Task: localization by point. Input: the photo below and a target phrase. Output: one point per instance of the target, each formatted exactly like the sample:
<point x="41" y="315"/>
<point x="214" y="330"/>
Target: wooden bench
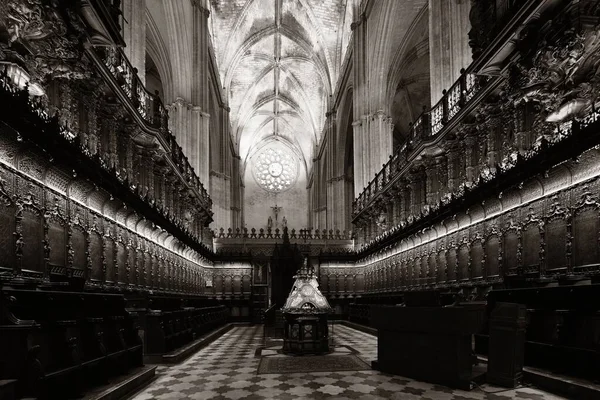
<point x="563" y="327"/>
<point x="58" y="344"/>
<point x="168" y="330"/>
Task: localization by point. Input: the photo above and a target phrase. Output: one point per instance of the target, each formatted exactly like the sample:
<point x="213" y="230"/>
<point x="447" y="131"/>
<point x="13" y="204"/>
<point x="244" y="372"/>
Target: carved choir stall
<point x="305" y="316"/>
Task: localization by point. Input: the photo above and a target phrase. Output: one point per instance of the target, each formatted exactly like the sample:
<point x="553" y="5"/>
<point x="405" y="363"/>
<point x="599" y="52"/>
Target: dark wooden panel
<point x="7" y="239"/>
<point x="121" y="263"/>
<point x="79" y="248"/>
<point x="441" y="263"/>
<point x="58" y="244"/>
<point x="556" y="244"/>
<point x="96" y="256"/>
<point x="585" y="237"/>
<point x="476" y="260"/>
<point x="492" y="247"/>
<point x="452" y="260"/>
<point x="32" y="230"/>
<point x="463" y="262"/>
<point x="531" y="246"/>
<point x="511" y="248"/>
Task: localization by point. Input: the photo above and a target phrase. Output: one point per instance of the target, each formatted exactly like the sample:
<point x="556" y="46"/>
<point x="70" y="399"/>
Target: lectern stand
<point x="431" y="344"/>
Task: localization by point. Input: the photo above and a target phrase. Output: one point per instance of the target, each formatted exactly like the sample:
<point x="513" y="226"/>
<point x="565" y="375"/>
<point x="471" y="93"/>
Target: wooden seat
<point x="61" y="343"/>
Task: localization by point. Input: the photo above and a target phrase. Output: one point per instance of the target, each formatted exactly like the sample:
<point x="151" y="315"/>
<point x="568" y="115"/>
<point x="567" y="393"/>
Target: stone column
<point x="236" y="194"/>
<point x="200" y="113"/>
<point x="333" y="183"/>
<point x="360" y="158"/>
<point x="449" y="49"/>
<point x="134" y="34"/>
<point x="362" y="176"/>
<point x="380" y="141"/>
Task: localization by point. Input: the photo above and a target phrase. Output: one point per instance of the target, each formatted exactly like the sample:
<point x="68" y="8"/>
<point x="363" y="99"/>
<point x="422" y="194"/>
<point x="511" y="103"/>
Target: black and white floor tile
<point x="227" y="370"/>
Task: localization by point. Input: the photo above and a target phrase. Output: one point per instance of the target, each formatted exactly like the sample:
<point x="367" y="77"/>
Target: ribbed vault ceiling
<point x="279" y="60"/>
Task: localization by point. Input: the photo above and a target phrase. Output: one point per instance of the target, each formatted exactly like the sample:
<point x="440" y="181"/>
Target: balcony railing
<point x="51" y="134"/>
<point x="428" y="125"/>
<point x="152" y="111"/>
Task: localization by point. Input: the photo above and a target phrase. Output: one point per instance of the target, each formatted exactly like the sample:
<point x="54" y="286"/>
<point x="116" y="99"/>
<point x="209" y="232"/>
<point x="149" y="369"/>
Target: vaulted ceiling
<point x="279" y="61"/>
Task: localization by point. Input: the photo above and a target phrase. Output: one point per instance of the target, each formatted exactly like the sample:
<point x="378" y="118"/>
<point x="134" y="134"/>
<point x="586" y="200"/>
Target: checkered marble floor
<point x="226" y="369"/>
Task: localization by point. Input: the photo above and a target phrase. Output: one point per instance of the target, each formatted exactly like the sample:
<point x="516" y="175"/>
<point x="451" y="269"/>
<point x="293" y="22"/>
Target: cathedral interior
<point x="299" y="199"/>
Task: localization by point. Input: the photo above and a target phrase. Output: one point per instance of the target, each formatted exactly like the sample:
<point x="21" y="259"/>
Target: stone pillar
<point x="200" y="92"/>
<point x="134" y="34"/>
<point x="449" y="49"/>
<point x="360" y="94"/>
<point x="380" y="141"/>
<point x="333" y="183"/>
<point x="236" y="193"/>
<point x="361" y="157"/>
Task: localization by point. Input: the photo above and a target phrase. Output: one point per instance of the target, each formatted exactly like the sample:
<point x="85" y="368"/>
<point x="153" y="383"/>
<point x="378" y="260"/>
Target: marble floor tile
<point x="226" y="370"/>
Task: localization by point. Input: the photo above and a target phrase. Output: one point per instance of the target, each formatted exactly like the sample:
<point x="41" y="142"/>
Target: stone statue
<point x="284" y="222"/>
<point x="270" y="222"/>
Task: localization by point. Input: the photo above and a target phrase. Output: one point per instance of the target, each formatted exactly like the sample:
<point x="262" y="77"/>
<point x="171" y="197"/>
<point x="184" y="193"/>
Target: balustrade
<point x="269" y="233"/>
<point x="150" y="107"/>
<point x="427" y="125"/>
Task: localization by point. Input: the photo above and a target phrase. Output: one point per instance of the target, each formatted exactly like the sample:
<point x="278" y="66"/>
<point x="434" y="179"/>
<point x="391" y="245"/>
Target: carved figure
<point x="284" y="222"/>
<point x="270" y="222"/>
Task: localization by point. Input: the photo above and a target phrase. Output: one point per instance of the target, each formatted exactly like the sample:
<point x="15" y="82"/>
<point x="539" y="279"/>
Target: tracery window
<point x="275" y="170"/>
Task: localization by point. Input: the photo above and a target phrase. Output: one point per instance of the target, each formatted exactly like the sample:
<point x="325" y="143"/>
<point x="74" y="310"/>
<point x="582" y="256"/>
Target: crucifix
<point x="276" y="210"/>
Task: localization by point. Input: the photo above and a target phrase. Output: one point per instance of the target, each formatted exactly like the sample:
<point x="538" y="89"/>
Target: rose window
<point x="275" y="170"/>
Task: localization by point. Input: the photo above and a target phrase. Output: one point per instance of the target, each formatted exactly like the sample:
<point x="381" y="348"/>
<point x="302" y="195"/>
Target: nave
<point x="227" y="369"/>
